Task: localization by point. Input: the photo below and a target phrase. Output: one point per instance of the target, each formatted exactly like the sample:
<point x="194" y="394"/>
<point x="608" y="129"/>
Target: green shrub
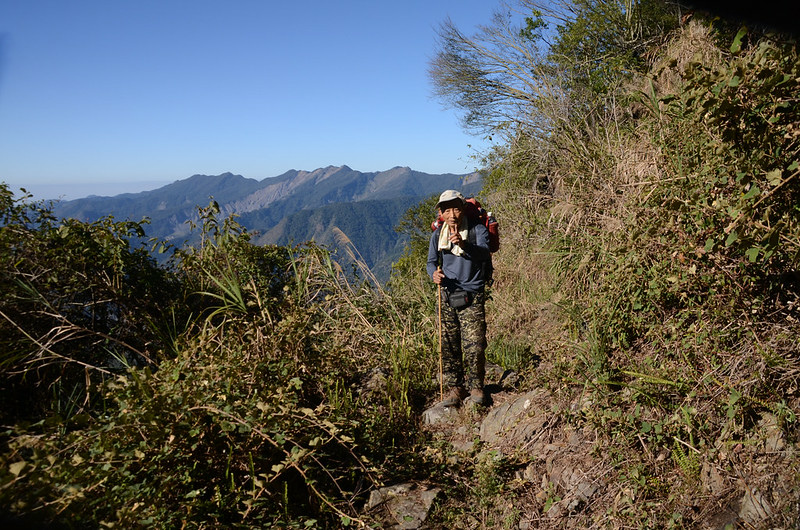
<point x="78" y="302"/>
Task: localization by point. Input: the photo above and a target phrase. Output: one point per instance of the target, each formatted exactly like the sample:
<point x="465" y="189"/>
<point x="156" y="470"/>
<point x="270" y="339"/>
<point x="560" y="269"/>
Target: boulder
<point x="402" y="506"/>
<point x="516" y="421"/>
<point x="439" y="414"/>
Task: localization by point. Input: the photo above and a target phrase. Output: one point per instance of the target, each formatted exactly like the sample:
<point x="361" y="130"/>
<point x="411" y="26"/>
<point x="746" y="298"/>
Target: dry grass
<point x="693" y="44"/>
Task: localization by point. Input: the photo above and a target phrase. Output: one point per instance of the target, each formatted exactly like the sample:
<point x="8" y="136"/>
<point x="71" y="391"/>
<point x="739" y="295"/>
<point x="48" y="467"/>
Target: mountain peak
<point x="221" y="176"/>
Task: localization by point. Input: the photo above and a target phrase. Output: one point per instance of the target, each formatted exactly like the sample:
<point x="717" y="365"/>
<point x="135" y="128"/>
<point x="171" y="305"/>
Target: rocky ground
<point x="561" y="476"/>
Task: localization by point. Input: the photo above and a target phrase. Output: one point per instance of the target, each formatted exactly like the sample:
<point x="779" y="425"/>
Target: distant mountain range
<point x="292" y="208"/>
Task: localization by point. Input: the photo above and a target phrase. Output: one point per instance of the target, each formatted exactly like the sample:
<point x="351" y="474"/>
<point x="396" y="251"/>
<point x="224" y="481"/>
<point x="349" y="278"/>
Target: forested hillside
<point x="645" y="176"/>
<point x="366" y="227"/>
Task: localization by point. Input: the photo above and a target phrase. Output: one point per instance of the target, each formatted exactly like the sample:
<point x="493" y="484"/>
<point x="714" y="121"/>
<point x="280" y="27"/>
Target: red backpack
<point x="476" y="213"/>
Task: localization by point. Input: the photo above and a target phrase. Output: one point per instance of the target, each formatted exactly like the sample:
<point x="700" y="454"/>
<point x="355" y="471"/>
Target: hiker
<point x="457" y="253"/>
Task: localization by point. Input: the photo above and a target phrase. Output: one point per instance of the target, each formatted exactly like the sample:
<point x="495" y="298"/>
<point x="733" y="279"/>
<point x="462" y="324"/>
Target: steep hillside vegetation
<point x="652" y="267"/>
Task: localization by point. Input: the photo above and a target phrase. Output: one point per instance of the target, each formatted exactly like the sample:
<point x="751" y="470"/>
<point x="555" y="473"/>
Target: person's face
<point x="451" y="212"/>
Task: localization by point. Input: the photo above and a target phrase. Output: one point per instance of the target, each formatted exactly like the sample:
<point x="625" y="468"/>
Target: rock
<point x="585" y="490"/>
<point x="755" y="508"/>
<point x="374" y="383"/>
<point x="404" y="506"/>
<point x="463" y="446"/>
<point x="531" y="474"/>
<point x="514" y="422"/>
<point x="773" y="435"/>
<point x="712" y="480"/>
<point x="438" y="414"/>
<point x="577" y="487"/>
<point x="557" y="510"/>
<point x="498" y="376"/>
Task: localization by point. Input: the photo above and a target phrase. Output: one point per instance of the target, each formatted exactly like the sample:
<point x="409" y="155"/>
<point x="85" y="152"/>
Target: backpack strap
<point x="487" y="267"/>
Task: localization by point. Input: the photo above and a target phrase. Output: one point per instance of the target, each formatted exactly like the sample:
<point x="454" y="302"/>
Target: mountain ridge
<point x="269" y="207"/>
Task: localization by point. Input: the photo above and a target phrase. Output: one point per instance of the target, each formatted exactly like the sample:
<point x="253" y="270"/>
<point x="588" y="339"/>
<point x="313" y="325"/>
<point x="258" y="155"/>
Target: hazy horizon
<point x="54" y="191"/>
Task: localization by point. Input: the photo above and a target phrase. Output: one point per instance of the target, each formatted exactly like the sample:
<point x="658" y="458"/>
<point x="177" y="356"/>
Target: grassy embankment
<point x="650" y="263"/>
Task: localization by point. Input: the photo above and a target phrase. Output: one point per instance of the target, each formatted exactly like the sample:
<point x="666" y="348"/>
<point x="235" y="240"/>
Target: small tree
<point x="533" y="66"/>
<point x="494" y="77"/>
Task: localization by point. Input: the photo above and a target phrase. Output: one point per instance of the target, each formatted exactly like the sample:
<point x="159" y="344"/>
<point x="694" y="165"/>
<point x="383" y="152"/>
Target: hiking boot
<point x="478" y="396"/>
<point x="454" y="397"/>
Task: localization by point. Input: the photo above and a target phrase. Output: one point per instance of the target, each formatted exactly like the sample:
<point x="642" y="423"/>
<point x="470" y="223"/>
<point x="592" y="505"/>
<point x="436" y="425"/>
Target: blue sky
<point x="111" y="96"/>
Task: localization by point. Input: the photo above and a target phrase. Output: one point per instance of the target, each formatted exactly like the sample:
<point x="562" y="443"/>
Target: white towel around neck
<point x="444" y="237"/>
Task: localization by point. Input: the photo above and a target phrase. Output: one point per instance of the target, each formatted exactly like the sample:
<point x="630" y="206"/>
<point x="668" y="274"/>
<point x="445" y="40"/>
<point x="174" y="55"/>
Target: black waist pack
<point x="459" y="299"/>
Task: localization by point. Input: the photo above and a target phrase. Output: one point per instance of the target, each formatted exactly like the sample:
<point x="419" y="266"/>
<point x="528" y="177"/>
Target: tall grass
<point x="258" y="414"/>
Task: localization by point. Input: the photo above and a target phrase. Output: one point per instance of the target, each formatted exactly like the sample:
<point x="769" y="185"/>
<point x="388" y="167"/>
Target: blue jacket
<point x="466" y="271"/>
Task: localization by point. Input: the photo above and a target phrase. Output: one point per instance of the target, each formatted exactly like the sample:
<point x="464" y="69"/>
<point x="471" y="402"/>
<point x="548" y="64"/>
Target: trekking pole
<point x="441" y="369"/>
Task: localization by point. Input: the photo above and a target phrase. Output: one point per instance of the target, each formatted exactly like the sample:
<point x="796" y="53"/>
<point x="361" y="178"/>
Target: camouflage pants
<point x="464" y="344"/>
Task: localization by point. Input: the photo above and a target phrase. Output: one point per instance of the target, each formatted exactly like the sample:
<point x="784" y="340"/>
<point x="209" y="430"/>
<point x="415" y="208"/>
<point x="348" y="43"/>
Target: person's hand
<point x="455" y="237"/>
<point x="438" y="276"/>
